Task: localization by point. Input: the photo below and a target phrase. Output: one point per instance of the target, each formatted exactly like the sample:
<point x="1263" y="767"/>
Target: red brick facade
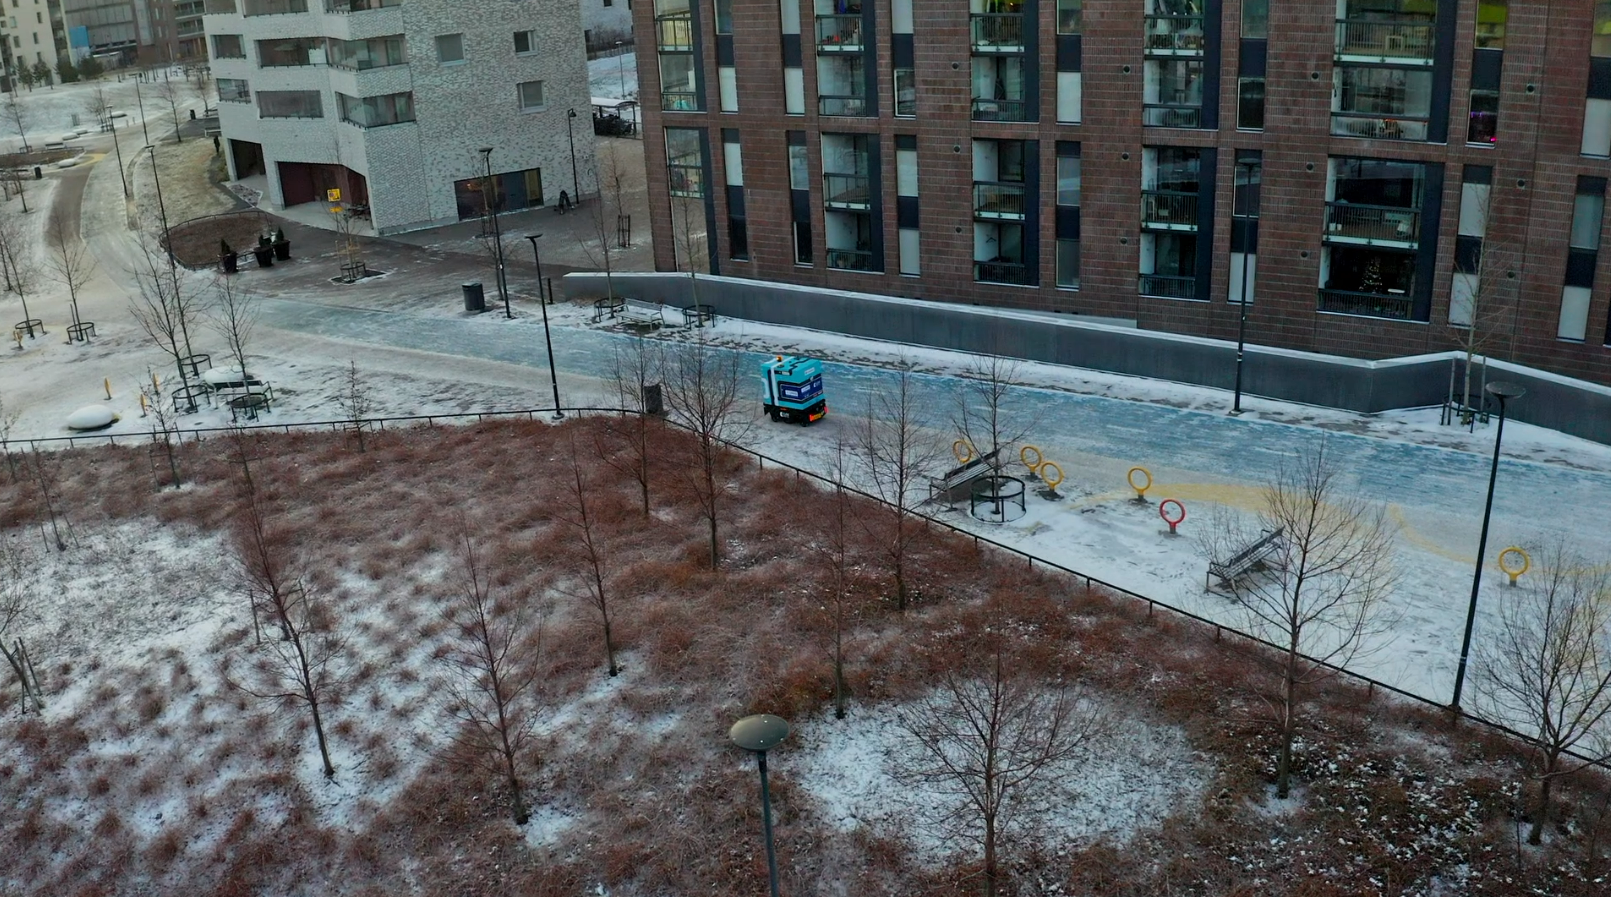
<point x="1536" y="162"/>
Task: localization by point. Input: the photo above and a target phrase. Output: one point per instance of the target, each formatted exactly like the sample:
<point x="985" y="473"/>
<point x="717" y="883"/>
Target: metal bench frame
<point x="960" y="476"/>
<point x="1250" y="559"/>
<point x="646" y="314"/>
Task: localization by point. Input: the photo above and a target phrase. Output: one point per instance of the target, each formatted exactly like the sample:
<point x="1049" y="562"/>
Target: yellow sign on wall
<point x="333" y="195"/>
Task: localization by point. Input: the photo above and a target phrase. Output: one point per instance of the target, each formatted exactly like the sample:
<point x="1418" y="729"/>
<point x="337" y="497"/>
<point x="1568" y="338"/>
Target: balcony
<point x="1174" y="36"/>
<point x="1363" y="40"/>
<point x="839" y="34"/>
<point x="1168" y="286"/>
<point x="1013" y="273"/>
<point x="218" y="7"/>
<point x="855" y="104"/>
<point x="998" y="200"/>
<point x="850" y="259"/>
<point x="1368" y="225"/>
<point x="272" y="7"/>
<point x="1171" y="115"/>
<point x="675" y="33"/>
<point x="1000" y="110"/>
<point x="1396" y="305"/>
<point x="1375" y="127"/>
<point x="1168" y="210"/>
<point x="679" y="101"/>
<point x="998" y="32"/>
<point x="350" y="6"/>
<point x="847" y="191"/>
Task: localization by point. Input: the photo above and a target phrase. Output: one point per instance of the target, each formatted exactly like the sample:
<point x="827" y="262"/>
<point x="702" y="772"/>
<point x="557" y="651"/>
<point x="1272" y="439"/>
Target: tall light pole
<point x="111" y="124"/>
<point x="167" y="243"/>
<point x="759" y="734"/>
<point x="576" y="185"/>
<point x="497" y="232"/>
<point x="620" y="67"/>
<point x="548" y="339"/>
<point x="1503" y="392"/>
<point x="143" y="129"/>
<point x="1241" y="325"/>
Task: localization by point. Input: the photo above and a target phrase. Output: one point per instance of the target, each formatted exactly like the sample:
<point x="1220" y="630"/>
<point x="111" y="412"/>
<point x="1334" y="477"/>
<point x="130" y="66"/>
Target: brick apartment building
<point x="1385" y="172"/>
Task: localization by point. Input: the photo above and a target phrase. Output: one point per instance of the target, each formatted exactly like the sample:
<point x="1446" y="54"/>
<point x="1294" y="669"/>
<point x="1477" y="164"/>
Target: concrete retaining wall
<point x="1560" y="403"/>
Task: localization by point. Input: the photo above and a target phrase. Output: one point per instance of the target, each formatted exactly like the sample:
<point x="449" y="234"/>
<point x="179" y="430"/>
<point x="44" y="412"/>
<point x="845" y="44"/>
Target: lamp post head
<point x="533" y="237"/>
<point x="759" y="733"/>
<point x="571" y="113"/>
<point x="485" y="150"/>
<point x="1504" y="391"/>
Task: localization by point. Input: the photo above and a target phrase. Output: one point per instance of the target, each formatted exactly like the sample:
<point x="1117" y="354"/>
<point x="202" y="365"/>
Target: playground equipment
<point x="1173" y="518"/>
<point x="1049" y="472"/>
<point x="1509" y="569"/>
<point x="793" y="389"/>
<point x="1141" y="487"/>
<point x="996" y="498"/>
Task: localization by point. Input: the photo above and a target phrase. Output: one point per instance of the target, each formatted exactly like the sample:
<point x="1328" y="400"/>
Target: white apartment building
<point x="606" y="21"/>
<point x="391" y="101"/>
<point x="29" y="32"/>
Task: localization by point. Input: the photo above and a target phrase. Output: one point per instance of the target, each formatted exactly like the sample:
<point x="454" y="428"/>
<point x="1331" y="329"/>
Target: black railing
<point x="1168" y="286"/>
<point x="839" y="34"/>
<point x="998" y="199"/>
<point x="1388" y="40"/>
<point x="1168" y="207"/>
<point x="1375" y="224"/>
<point x="1015" y="273"/>
<point x="829" y="104"/>
<point x="679" y="101"/>
<point x="997" y="31"/>
<point x="1174" y="35"/>
<point x="846" y="191"/>
<point x="985" y="109"/>
<point x="1397" y="306"/>
<point x="675" y="32"/>
<point x="850" y="259"/>
<point x="1172" y="115"/>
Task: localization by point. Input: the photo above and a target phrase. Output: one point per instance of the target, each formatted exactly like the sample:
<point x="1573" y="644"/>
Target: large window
<point x="1070" y="16"/>
<point x="449" y="48"/>
<point x="678" y="82"/>
<point x="1256" y="19"/>
<point x="1492" y="17"/>
<point x="525" y="43"/>
<point x="228" y="46"/>
<point x="368" y="54"/>
<point x="290" y="51"/>
<point x="506" y="192"/>
<point x="1373" y="227"/>
<point x="906" y="93"/>
<point x="531" y="96"/>
<point x="289" y="104"/>
<point x="1381" y="102"/>
<point x="1068" y="180"/>
<point x="1250" y="104"/>
<point x="1172" y="94"/>
<point x="685" y="168"/>
<point x="1600" y="45"/>
<point x="373" y="112"/>
<point x="234" y="90"/>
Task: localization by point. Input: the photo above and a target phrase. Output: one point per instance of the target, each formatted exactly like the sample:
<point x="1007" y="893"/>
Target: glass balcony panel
<point x="1015" y="273"/>
<point x="679" y="101"/>
<point x="1399" y="307"/>
<point x="998" y="200"/>
<point x="675" y="32"/>
<point x="846" y="191"/>
<point x="1376" y="39"/>
<point x="1174" y="35"/>
<point x="1000" y="110"/>
<point x="842" y="105"/>
<point x="998" y="32"/>
<point x="1171" y="115"/>
<point x="1357" y="222"/>
<point x="1169" y="208"/>
<point x="1374" y="127"/>
<point x="1168" y="286"/>
<point x="850" y="259"/>
<point x="839" y="34"/>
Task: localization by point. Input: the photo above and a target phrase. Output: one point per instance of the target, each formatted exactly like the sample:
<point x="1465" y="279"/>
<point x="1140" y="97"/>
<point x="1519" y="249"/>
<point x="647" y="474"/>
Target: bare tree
<point x="164" y="433"/>
<point x="233" y="316"/>
<point x="991" y="741"/>
<point x="45" y="470"/>
<point x="170" y="90"/>
<point x="302" y="668"/>
<point x="1546" y="669"/>
<point x="590" y="549"/>
<point x="632" y="368"/>
<point x="493" y="664"/>
<point x="101" y="107"/>
<point x="603" y="219"/>
<point x="896" y="451"/>
<point x="704" y="392"/>
<point x="689" y="235"/>
<point x="8" y="422"/>
<point x="17" y="256"/>
<point x="1482" y="310"/>
<point x="69" y="262"/>
<point x="985" y="413"/>
<point x="1322" y="596"/>
<point x="834" y="548"/>
<point x="19" y="117"/>
<point x="163" y="309"/>
<point x="356" y="401"/>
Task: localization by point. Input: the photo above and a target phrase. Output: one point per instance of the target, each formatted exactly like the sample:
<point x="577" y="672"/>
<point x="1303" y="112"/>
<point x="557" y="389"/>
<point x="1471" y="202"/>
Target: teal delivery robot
<point x="793" y="389"/>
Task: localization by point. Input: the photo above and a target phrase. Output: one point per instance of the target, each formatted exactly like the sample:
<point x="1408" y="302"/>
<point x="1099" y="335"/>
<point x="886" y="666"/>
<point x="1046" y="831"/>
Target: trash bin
<point x="474" y="298"/>
<point x="652" y="402"/>
<point x="192" y="115"/>
<point x="39" y="175"/>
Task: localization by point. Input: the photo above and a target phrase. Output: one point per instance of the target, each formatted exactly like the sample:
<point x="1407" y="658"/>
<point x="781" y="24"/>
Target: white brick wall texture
<point x="411" y="167"/>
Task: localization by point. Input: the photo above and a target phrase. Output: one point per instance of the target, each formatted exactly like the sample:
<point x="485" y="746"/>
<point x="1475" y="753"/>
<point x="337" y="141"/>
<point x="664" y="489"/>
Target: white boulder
<point x="91" y="417"/>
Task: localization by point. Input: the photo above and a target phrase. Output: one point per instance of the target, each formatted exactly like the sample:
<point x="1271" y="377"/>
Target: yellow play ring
<point x="1050" y="474"/>
<point x="1514" y="572"/>
<point x="1141" y="490"/>
<point x="1025" y="452"/>
<point x="963" y="450"/>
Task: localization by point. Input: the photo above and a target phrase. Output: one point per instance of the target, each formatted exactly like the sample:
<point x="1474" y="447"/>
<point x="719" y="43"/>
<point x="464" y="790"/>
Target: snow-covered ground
<point x="51" y="113"/>
<point x="615" y="77"/>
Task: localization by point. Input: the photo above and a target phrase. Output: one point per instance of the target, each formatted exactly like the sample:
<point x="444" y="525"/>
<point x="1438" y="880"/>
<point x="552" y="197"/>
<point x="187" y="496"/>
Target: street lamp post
<point x="620" y="67"/>
<point x="1503" y="392"/>
<point x="759" y="734"/>
<point x="497" y="232"/>
<point x="548" y="339"/>
<point x="143" y="129"/>
<point x="1241" y="325"/>
<point x="576" y="185"/>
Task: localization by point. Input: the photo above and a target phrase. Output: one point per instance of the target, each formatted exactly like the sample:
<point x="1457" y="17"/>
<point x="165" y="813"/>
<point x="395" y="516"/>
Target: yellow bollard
<point x="1514" y="572"/>
<point x="107" y="382"/>
<point x="1050" y="474"/>
<point x="963" y="450"/>
<point x="142" y="404"/>
<point x="1025" y="452"/>
<point x="1143" y="486"/>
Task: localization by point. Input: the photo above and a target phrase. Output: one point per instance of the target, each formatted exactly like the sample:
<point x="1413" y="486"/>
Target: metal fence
<point x="762" y="461"/>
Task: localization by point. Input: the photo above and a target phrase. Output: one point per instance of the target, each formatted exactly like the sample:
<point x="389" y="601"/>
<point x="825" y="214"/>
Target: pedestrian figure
<point x="564" y="202"/>
<point x="217" y="147"/>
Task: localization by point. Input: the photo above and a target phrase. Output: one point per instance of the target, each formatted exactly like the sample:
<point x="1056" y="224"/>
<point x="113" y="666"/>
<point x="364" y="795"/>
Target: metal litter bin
<point x="475" y="299"/>
<point x="652" y="401"/>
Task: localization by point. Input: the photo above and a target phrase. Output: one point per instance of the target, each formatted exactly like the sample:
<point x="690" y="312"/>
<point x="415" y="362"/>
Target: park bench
<point x="958" y="477"/>
<point x="636" y="312"/>
<point x="1250" y="559"/>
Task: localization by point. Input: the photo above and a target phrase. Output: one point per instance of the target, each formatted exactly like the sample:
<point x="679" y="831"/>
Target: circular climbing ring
<point x="1024" y="454"/>
<point x="1175" y="519"/>
<point x="963" y="450"/>
<point x="1146" y="479"/>
<point x="1514" y="572"/>
<point x="1050" y="474"/>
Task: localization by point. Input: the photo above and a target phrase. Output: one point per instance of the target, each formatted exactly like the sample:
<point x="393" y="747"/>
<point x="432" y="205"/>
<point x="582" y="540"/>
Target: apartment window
<point x="1600" y="44"/>
<point x="685" y="166"/>
<point x="293" y="51"/>
<point x="1070" y="16"/>
<point x="449" y="48"/>
<point x="234" y="90"/>
<point x="361" y="55"/>
<point x="289" y="104"/>
<point x="272" y="7"/>
<point x="841" y="85"/>
<point x="999" y="89"/>
<point x="802" y="244"/>
<point x="724" y="16"/>
<point x="525" y="43"/>
<point x="1484" y="124"/>
<point x="1492" y="17"/>
<point x="1381" y="102"/>
<point x="1068" y="264"/>
<point x="374" y="112"/>
<point x="1588" y="209"/>
<point x="905" y="93"/>
<point x="1172" y="94"/>
<point x="228" y="46"/>
<point x="1373" y="227"/>
<point x="1068" y="180"/>
<point x="1250" y="104"/>
<point x="1255" y="19"/>
<point x="678" y="82"/>
<point x="531" y="96"/>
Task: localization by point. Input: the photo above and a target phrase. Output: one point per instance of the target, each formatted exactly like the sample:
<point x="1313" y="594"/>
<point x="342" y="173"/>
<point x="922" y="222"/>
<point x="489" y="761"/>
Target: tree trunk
<point x="515" y="792"/>
<point x="1535" y="835"/>
<point x="324" y="748"/>
<point x="609" y="647"/>
<point x="990" y="855"/>
<point x="838" y="684"/>
<point x="1289" y="690"/>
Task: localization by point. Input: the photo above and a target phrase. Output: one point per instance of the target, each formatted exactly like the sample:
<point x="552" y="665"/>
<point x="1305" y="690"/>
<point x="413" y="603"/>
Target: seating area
<point x="646" y="315"/>
<point x="957" y="480"/>
<point x="1251" y="559"/>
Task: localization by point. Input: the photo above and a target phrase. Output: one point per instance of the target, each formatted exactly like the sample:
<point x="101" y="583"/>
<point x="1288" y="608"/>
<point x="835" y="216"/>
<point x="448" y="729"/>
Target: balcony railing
<point x="841" y="105"/>
<point x="679" y="101"/>
<point x="1352" y="222"/>
<point x="1407" y="41"/>
<point x="675" y="32"/>
<point x="998" y="32"/>
<point x="1174" y="36"/>
<point x="1171" y="115"/>
<point x="1168" y="286"/>
<point x="348" y="6"/>
<point x="272" y="7"/>
<point x="998" y="200"/>
<point x="218" y="7"/>
<point x="1398" y="306"/>
<point x="1000" y="110"/>
<point x="1015" y="273"/>
<point x="1375" y="127"/>
<point x="839" y="34"/>
<point x="846" y="191"/>
<point x="850" y="259"/>
<point x="1169" y="208"/>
